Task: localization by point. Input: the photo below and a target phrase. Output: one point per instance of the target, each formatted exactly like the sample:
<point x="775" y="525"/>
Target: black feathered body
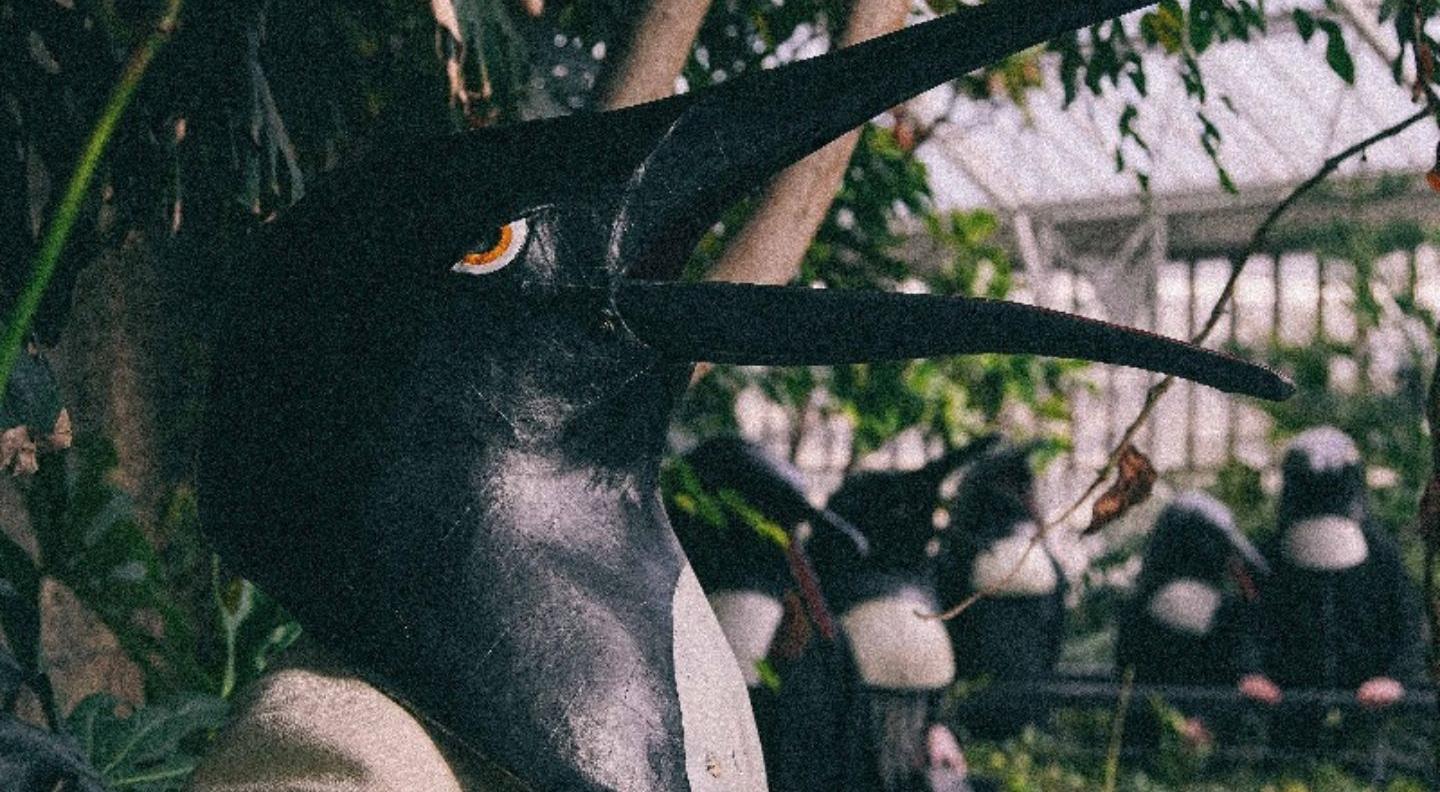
<point x="1338" y="628"/>
<point x="1008" y="637"/>
<point x="1162" y="654"/>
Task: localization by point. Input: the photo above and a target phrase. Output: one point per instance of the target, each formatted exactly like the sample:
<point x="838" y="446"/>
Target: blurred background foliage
<point x="247" y="107"/>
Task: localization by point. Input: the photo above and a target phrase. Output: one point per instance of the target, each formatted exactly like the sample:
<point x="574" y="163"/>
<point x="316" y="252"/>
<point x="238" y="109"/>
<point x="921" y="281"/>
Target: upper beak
<point x="709" y="148"/>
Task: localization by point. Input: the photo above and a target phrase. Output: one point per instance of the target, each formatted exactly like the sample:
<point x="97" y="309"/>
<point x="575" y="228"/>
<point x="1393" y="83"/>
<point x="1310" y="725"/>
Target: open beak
<point x="712" y="147"/>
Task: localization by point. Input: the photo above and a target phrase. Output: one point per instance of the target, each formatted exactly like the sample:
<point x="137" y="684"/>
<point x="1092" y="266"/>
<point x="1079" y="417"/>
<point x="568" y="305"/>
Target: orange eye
<point x="508" y="243"/>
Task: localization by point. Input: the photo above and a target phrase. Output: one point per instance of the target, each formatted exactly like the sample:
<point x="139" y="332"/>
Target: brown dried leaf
<point x="1134" y="480"/>
<point x="795" y="630"/>
<point x="17" y="451"/>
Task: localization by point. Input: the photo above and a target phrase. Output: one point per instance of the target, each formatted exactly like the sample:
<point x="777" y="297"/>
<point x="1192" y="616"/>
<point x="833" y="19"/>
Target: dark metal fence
<point x="1376" y="745"/>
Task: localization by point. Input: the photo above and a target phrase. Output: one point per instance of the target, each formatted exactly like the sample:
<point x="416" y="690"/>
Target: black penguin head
<point x="997" y="493"/>
<point x="896" y="509"/>
<point x="1322" y="474"/>
<point x="538" y="253"/>
<point x="1195" y="537"/>
<point x="723" y="545"/>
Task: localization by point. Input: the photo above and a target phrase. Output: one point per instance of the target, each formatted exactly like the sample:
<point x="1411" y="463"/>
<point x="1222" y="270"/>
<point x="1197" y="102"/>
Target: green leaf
<point x="32" y="397"/>
<point x="155" y="748"/>
<point x="1203" y="18"/>
<point x="92" y="543"/>
<point x="20" y="604"/>
<point x="1337" y="54"/>
<point x="1165" y="26"/>
<point x="769" y="677"/>
<point x="1304" y="23"/>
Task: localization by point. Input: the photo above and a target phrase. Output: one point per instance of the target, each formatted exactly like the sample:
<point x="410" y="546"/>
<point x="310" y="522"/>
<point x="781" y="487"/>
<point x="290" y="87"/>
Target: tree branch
<point x="654" y="53"/>
<point x="769" y="248"/>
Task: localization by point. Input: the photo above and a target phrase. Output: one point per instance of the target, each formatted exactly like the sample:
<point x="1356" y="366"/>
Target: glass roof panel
<point x="1280" y="109"/>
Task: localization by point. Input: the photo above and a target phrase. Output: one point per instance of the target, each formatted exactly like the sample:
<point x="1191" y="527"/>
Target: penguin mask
<point x="442" y="384"/>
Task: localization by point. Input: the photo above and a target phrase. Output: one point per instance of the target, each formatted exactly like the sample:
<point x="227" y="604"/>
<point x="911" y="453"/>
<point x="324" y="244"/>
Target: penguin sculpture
<point x="1339" y="612"/>
<point x="770" y="604"/>
<point x="887" y="602"/>
<point x="441" y="391"/>
<point x="1014" y="631"/>
<point x="1190" y="619"/>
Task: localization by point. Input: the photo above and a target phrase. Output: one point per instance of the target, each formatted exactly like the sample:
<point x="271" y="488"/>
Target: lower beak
<point x="775" y="325"/>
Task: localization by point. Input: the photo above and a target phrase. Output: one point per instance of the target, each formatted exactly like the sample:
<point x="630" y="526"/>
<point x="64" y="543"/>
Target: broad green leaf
<point x="154" y="748"/>
<point x="1337" y="54"/>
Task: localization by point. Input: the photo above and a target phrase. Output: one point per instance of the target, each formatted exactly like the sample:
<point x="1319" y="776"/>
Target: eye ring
<point x="497" y="257"/>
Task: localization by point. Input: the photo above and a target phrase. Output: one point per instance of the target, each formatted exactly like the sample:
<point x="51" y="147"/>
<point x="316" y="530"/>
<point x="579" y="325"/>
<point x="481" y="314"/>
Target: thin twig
<point x="58" y="232"/>
<point x="1432" y="542"/>
<point x="992" y="590"/>
<point x="1237" y="265"/>
<point x="1117" y="730"/>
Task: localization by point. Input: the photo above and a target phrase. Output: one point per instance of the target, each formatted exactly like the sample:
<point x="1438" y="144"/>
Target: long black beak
<point x="717" y="145"/>
<point x="1247" y="551"/>
<point x="935" y="472"/>
<point x="771" y="325"/>
<point x="709" y="148"/>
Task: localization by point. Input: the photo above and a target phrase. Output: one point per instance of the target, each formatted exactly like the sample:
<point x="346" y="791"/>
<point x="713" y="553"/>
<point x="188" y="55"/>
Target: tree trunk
<point x="646" y="66"/>
<point x="771" y="245"/>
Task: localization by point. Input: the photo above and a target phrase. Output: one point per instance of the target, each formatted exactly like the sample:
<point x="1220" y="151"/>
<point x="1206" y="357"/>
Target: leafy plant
<point x="154" y="748"/>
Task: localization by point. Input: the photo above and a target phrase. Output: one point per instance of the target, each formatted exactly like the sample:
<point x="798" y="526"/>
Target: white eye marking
<point x="507" y="246"/>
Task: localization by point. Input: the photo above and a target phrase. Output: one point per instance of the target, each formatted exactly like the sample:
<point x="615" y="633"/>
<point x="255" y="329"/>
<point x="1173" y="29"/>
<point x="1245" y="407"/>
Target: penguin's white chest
<point x="1327" y="544"/>
<point x="895" y="647"/>
<point x="722" y="747"/>
<point x="1185" y="605"/>
<point x="749" y="620"/>
<point x="1015" y="566"/>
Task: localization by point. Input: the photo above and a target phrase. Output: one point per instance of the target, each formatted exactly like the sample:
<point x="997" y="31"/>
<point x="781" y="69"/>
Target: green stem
<point x="68" y="210"/>
<point x="1117" y="731"/>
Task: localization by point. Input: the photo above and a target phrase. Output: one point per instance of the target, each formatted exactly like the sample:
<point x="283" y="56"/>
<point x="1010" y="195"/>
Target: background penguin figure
<point x="769" y="601"/>
<point x="442" y="388"/>
<point x="1339" y="612"/>
<point x="1190" y="618"/>
<point x="1015" y="632"/>
<point x="902" y="654"/>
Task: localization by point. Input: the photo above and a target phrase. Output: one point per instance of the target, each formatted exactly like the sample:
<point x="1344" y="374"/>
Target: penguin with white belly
<point x="735" y="510"/>
<point x="1013" y="633"/>
<point x="886" y="605"/>
<point x="1340" y="611"/>
<point x="1190" y="618"/>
